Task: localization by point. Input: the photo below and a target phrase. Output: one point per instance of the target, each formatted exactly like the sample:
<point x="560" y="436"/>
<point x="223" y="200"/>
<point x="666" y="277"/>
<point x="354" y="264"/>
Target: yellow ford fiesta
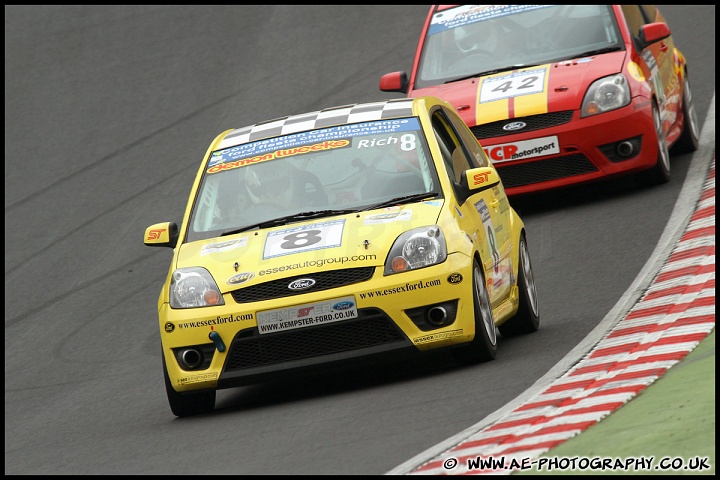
<point x="334" y="236"/>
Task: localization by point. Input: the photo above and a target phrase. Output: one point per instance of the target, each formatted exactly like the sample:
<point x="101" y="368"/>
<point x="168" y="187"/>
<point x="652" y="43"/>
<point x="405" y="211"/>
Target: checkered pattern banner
<point x="362" y="112"/>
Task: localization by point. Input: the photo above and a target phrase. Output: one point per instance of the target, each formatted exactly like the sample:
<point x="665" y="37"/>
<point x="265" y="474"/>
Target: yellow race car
<point x="335" y="236"/>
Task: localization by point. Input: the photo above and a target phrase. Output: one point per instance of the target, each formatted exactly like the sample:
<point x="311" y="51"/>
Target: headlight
<point x="417" y="248"/>
<point x="194" y="287"/>
<point x="606" y="94"/>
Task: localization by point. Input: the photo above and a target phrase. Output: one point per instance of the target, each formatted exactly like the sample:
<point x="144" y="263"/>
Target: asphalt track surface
<point x="108" y="110"/>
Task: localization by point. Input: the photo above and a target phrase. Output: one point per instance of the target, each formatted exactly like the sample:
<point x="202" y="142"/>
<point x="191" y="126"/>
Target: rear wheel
<point x="690" y="138"/>
<point x="527" y="318"/>
<point x="187" y="404"/>
<point x="660" y="173"/>
<point x="484" y="346"/>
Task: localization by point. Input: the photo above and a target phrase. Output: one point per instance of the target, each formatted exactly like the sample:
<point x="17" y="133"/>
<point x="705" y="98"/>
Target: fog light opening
<point x="625" y="149"/>
<point x="437" y="316"/>
<point x="191" y="358"/>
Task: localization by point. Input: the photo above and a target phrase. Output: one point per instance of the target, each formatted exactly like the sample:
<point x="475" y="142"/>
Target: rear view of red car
<point x="559" y="95"/>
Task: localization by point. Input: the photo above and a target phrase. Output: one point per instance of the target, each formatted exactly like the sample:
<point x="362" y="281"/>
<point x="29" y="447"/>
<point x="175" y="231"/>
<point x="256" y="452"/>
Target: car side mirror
<point x="653" y="32"/>
<point x="478" y="179"/>
<point x="394" y="82"/>
<point x="162" y="235"/>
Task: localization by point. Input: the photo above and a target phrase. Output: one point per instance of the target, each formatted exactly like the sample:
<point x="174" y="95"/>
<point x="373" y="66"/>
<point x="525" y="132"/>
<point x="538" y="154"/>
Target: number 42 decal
<point x="512" y="85"/>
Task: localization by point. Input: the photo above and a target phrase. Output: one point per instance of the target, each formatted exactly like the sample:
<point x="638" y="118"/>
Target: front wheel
<point x="188" y="404"/>
<point x="690" y="138"/>
<point x="527" y="318"/>
<point x="483" y="347"/>
<point x="660" y="173"/>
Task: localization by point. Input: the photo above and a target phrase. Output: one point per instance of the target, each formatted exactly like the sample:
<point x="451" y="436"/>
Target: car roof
<point x="328" y="117"/>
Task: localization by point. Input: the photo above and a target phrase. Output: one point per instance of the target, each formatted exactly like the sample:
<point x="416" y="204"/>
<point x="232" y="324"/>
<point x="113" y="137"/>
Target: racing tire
<point x="660" y="173"/>
<point x="690" y="138"/>
<point x="527" y="318"/>
<point x="483" y="346"/>
<point x="188" y="404"/>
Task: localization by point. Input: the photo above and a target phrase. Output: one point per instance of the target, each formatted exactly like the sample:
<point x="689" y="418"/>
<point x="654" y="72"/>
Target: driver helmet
<point x="269" y="181"/>
<point x="480" y="35"/>
<point x="407" y="160"/>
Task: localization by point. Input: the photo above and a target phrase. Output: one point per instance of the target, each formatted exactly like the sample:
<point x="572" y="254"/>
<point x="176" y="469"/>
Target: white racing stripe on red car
<point x="675" y="314"/>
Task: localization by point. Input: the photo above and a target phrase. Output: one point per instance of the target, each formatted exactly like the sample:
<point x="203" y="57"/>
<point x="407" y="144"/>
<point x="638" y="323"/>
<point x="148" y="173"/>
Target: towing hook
<point x="217" y="340"/>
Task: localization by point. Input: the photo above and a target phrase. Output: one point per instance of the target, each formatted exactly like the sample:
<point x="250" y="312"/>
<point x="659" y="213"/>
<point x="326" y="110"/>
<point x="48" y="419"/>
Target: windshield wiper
<point x="597" y="51"/>
<point x="287" y="219"/>
<point x="403" y="199"/>
<point x="490" y="72"/>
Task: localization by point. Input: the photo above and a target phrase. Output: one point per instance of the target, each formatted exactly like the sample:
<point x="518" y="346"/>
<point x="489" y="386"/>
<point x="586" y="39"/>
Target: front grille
<point x="533" y="122"/>
<point x="371" y="328"/>
<point x="323" y="281"/>
<point x="545" y="170"/>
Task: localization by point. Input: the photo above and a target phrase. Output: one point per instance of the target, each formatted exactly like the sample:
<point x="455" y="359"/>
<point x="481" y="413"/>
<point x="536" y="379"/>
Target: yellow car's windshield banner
<point x="330" y="138"/>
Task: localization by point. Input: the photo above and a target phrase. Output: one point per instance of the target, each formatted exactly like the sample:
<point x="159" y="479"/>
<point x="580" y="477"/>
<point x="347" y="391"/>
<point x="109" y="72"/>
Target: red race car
<point x="559" y="94"/>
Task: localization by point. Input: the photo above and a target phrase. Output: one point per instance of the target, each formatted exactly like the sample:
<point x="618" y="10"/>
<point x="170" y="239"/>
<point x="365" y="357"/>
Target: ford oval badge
<point x="455" y="278"/>
<point x="343" y="305"/>
<point x="301" y="284"/>
<point x="512" y="126"/>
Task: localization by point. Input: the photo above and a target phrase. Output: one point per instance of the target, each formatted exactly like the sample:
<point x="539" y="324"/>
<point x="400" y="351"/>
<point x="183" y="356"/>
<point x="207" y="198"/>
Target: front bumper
<point x="393" y="319"/>
<point x="587" y="148"/>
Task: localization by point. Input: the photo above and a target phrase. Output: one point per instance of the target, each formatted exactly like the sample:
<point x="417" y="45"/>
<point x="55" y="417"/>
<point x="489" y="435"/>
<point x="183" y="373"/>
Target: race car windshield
<point x="470" y="40"/>
<point x="288" y="178"/>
